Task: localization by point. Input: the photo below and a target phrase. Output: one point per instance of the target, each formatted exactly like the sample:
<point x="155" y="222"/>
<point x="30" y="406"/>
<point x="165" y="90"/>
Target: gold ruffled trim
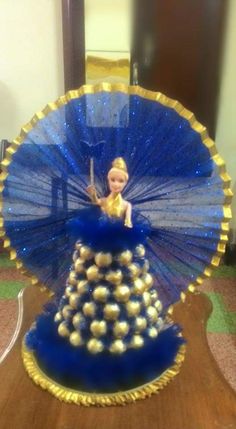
<point x="87" y="399"/>
<point x="155" y="96"/>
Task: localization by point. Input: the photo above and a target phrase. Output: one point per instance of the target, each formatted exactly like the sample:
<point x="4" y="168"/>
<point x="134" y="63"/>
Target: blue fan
<point x="177" y="183"/>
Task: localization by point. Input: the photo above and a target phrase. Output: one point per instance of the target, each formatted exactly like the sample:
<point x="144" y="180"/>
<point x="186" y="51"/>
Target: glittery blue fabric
<point x="173" y="184"/>
<point x="105" y="234"/>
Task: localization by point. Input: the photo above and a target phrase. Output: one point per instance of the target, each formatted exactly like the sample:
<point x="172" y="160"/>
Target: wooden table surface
<point x="197" y="398"/>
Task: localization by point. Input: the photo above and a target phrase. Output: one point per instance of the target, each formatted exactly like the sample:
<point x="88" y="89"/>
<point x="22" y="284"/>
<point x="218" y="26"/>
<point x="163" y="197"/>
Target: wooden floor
<point x="198" y="398"/>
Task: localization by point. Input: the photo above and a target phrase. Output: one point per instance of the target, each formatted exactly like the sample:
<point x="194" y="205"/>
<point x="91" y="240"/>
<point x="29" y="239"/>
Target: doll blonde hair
<point x="119" y="164"/>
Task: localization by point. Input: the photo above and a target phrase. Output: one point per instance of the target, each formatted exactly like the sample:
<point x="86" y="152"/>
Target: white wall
<point x="226" y="124"/>
<point x="108" y="29"/>
<point x="108" y="25"/>
<point x="31" y="61"/>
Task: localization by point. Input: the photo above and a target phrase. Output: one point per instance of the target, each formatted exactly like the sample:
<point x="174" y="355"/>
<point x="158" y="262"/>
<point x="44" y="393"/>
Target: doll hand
<point x="93" y="194"/>
<point x="128" y="223"/>
<point x="91" y="190"/>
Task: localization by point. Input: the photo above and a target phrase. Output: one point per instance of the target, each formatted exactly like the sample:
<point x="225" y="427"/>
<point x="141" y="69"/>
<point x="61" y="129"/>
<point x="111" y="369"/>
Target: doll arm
<point x="93" y="195"/>
<point x="128" y="214"/>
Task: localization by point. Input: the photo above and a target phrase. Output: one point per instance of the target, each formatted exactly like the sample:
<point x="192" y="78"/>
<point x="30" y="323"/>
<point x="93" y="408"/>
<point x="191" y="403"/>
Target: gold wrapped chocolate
<point x="122" y="293"/>
<point x="66" y="311"/>
<point x="89" y="309"/>
<point x="63" y="330"/>
<point x="76" y="339"/>
<point x="103" y="259"/>
<point x="140" y="250"/>
<point x="148" y="280"/>
<point x="154" y="295"/>
<point x="58" y="317"/>
<point x="140" y="323"/>
<point x="68" y="291"/>
<point x="111" y="311"/>
<point x="101" y="293"/>
<point x="120" y="328"/>
<point x="79" y="265"/>
<point x="147" y="299"/>
<point x="77" y="320"/>
<point x="158" y="306"/>
<point x="74" y="300"/>
<point x="86" y="253"/>
<point x="133" y="308"/>
<point x="92" y="273"/>
<point x="125" y="257"/>
<point x="117" y="346"/>
<point x="134" y="270"/>
<point x="95" y="346"/>
<point x="114" y="277"/>
<point x="139" y="286"/>
<point x="82" y="286"/>
<point x="152" y="314"/>
<point x="72" y="278"/>
<point x="136" y="342"/>
<point x="152" y="332"/>
<point x="98" y="328"/>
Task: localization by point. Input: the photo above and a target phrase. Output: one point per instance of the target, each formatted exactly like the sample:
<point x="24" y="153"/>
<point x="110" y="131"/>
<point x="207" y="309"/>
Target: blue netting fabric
<point x="174" y="186"/>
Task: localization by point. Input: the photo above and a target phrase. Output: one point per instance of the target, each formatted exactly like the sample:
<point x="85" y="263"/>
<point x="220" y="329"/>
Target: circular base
<point x="99" y="399"/>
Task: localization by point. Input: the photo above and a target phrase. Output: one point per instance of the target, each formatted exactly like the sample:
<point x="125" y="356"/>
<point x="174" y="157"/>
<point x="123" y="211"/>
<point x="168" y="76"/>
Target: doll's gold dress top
<point x="113" y="205"/>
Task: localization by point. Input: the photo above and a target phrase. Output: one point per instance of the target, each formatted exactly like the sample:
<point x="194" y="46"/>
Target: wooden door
<point x="177" y="46"/>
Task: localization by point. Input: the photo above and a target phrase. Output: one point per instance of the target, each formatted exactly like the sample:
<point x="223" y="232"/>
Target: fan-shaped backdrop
<point x="178" y="184"/>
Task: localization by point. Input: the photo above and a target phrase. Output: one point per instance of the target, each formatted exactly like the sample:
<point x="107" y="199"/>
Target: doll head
<point x="117" y="175"/>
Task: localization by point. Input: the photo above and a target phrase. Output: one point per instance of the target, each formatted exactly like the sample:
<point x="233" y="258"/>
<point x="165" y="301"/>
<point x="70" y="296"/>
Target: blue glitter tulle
<point x="105" y="234"/>
<point x="174" y="185"/>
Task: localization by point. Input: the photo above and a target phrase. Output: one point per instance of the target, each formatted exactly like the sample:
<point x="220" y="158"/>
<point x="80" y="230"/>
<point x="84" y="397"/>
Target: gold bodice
<point x="114" y="206"/>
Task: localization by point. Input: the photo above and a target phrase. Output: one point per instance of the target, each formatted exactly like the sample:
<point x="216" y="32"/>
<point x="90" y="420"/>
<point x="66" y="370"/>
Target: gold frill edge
<point x="151" y="95"/>
<point x="68" y="395"/>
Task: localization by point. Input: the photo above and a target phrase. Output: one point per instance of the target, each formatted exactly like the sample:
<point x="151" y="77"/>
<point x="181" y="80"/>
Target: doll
<point x="110" y="320"/>
<point x="112" y="289"/>
<point x="114" y="204"/>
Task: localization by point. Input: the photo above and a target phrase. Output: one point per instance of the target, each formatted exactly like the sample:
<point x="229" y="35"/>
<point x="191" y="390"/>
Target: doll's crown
<point x="120" y="164"/>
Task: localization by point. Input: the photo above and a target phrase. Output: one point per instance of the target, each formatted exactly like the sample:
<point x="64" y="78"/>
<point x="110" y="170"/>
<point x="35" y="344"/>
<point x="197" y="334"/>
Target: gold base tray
<point x="99" y="399"/>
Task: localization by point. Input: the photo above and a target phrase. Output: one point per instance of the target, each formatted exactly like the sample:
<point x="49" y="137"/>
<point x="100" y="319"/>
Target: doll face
<point x="116" y="181"/>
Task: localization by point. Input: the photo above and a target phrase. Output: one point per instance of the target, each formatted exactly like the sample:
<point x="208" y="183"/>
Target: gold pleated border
<point x="68" y="395"/>
<point x="151" y="95"/>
